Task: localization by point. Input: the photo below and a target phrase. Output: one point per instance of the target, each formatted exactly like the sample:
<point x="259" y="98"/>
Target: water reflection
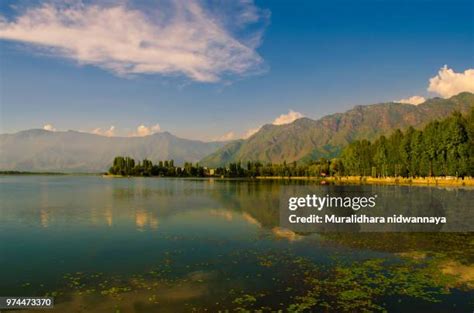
<point x="251" y="220"/>
<point x="225" y="214"/>
<point x="288" y="234"/>
<point x="108" y="216"/>
<point x="172" y="244"/>
<point x="144" y="219"/>
<point x="44" y="217"/>
<point x="44" y="206"/>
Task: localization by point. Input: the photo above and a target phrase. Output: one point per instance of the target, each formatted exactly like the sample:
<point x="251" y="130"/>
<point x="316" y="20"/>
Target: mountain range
<point x="303" y="139"/>
<point x="72" y="151"/>
<point x="306" y="139"/>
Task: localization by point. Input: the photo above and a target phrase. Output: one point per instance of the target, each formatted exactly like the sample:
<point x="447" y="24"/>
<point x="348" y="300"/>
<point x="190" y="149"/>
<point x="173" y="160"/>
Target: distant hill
<point x="308" y="139"/>
<point x="72" y="151"/>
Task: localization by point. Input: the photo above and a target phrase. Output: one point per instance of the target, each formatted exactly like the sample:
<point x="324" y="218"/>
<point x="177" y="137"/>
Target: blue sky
<point x="245" y="64"/>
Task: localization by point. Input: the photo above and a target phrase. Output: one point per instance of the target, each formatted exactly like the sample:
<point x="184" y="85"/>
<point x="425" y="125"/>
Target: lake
<point x="195" y="245"/>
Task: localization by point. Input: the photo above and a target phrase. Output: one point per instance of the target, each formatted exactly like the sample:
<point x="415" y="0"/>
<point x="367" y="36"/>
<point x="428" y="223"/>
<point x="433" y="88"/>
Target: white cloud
<point x="49" y="127"/>
<point x="174" y="37"/>
<point x="415" y="100"/>
<point x="449" y="83"/>
<point x="226" y="137"/>
<point x="251" y="132"/>
<point x="290" y="117"/>
<point x="110" y="132"/>
<point x="143" y="130"/>
<point x="287" y="118"/>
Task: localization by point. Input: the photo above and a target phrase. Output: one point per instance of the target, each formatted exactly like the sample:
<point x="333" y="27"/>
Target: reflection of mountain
<point x="259" y="200"/>
<point x="71" y="151"/>
<point x="308" y="139"/>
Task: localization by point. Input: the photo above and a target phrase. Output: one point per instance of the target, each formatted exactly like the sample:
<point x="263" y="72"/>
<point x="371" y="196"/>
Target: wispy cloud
<point x="143" y="130"/>
<point x="108" y="132"/>
<point x="49" y="127"/>
<point x="415" y="100"/>
<point x="251" y="132"/>
<point x="226" y="137"/>
<point x="173" y="38"/>
<point x="449" y="83"/>
<point x="290" y="117"/>
<point x="140" y="131"/>
<point x="287" y="118"/>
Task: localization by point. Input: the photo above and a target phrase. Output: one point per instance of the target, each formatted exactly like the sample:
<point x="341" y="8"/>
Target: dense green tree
<point x="442" y="148"/>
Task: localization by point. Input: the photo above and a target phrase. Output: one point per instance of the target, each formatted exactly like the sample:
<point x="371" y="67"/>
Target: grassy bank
<point x="426" y="181"/>
<point x="114" y="176"/>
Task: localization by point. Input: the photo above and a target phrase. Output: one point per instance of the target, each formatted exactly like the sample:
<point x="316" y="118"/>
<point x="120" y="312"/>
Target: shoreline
<point x="367" y="180"/>
<point x="350" y="180"/>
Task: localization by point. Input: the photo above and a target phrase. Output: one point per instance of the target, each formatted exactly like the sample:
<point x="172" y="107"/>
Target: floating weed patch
<point x="252" y="280"/>
<point x="361" y="286"/>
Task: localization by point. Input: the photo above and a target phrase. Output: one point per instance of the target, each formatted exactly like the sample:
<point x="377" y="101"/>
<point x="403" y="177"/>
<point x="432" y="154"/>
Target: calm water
<point x="179" y="245"/>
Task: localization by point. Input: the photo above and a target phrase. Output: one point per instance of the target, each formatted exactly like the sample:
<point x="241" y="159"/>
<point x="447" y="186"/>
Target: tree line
<point x="442" y="148"/>
<point x="127" y="166"/>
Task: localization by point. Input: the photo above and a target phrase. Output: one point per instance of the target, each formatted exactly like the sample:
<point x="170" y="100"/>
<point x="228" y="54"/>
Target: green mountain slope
<point x="308" y="139"/>
<point x="71" y="151"/>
